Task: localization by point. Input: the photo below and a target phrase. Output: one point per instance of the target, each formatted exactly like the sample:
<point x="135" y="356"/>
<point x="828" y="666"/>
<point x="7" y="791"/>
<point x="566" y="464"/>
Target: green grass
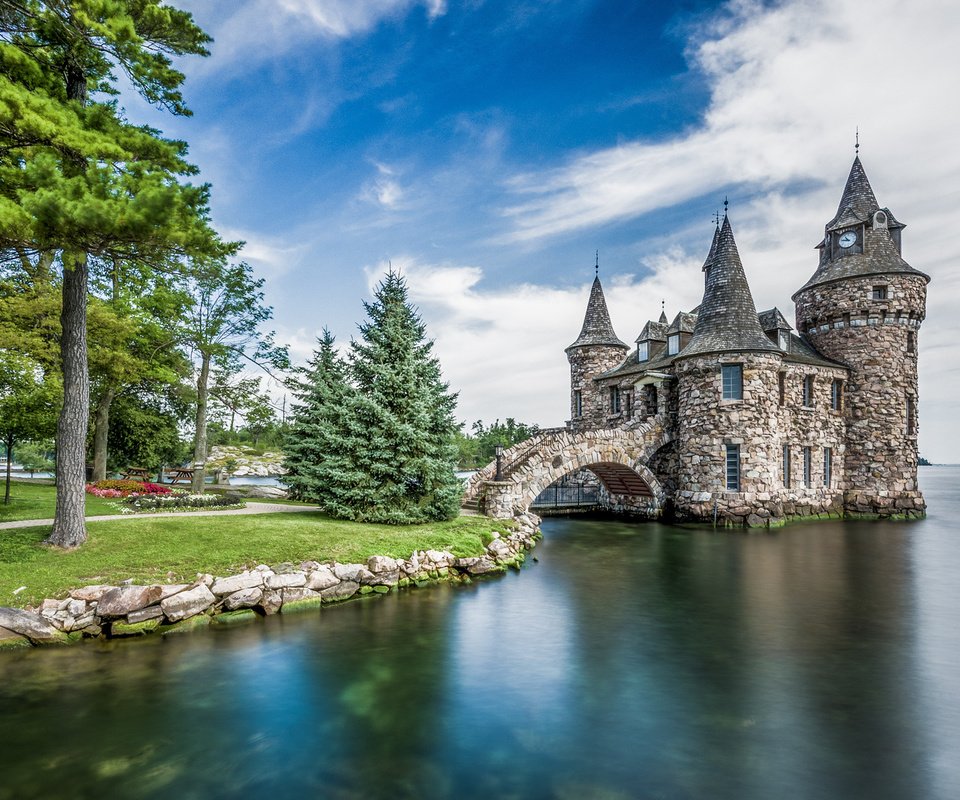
<point x="147" y="549"/>
<point x="38" y="501"/>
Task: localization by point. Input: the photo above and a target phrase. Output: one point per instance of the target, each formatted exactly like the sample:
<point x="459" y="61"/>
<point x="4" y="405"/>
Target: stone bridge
<point x="618" y="457"/>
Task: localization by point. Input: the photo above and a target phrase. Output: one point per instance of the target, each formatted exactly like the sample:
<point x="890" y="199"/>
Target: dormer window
<point x="673" y="344"/>
<point x="643" y="351"/>
<point x="783" y="340"/>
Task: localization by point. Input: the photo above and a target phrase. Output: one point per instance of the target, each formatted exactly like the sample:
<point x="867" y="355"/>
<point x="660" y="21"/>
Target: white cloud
<point x="258" y="30"/>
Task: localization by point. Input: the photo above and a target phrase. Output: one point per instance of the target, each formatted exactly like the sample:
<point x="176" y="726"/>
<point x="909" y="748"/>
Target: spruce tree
<point x="316" y="421"/>
<point x="385" y="452"/>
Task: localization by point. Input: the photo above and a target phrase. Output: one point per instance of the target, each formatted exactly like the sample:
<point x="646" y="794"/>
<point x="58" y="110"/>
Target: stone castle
<point x="757" y="421"/>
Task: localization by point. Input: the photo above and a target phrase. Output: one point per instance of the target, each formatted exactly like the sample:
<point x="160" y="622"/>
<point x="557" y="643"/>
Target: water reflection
<point x="818" y="661"/>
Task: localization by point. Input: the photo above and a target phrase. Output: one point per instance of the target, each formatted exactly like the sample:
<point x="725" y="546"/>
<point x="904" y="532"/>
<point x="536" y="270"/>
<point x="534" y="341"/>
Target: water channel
<point x="629" y="661"/>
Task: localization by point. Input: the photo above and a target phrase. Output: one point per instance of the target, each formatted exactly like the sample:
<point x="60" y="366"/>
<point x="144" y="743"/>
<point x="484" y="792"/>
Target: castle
<point x="763" y="422"/>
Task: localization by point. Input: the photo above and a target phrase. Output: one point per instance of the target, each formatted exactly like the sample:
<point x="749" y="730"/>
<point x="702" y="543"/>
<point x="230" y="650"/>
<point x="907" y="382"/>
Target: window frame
<point x="614" y="399"/>
<point x="807" y="467"/>
<point x="785" y="466"/>
<point x="808" y="391"/>
<point x="836" y="395"/>
<point x="643" y="351"/>
<point x="880" y="292"/>
<point x="732" y="459"/>
<point x="577" y="403"/>
<point x="673" y="344"/>
<point x="735" y="386"/>
<point x="828" y="467"/>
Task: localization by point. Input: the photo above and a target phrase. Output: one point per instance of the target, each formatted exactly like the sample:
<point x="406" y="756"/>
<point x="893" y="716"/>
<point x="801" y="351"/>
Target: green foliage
<point x="36" y="456"/>
<point x="144" y="431"/>
<point x="478" y="450"/>
<point x="372" y="439"/>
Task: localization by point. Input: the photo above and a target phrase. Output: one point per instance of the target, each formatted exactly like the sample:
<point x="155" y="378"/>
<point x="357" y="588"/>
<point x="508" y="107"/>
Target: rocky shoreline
<point x="107" y="612"/>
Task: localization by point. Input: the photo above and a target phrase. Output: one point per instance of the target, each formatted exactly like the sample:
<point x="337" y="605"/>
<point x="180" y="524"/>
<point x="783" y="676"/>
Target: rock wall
<point x="585" y="363"/>
<point x="115" y="611"/>
<point x="878" y="340"/>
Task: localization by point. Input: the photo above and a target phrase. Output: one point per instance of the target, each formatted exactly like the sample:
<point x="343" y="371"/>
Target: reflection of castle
<point x="767" y="422"/>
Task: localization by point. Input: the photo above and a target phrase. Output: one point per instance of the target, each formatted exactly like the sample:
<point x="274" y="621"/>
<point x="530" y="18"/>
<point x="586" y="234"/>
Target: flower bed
<point x="177" y="501"/>
<point x="126" y="488"/>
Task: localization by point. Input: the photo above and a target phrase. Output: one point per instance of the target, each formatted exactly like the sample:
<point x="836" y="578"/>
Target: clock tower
<point x="863" y="307"/>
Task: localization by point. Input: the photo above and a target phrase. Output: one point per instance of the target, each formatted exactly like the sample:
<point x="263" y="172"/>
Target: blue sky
<point x="488" y="148"/>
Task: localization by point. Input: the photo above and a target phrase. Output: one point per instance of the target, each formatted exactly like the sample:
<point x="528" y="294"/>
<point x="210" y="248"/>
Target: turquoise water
<point x="629" y="661"/>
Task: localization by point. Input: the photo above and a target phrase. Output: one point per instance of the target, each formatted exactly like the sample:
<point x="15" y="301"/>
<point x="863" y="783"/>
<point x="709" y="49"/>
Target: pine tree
<point x="315" y="428"/>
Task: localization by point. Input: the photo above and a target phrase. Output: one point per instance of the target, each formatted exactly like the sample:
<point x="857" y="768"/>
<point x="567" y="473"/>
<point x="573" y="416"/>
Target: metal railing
<point x="566" y="496"/>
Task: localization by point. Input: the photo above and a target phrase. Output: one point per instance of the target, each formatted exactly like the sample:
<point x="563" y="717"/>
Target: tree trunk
<point x="6" y="493"/>
<point x="101" y="429"/>
<point x="200" y="444"/>
<point x="68" y="527"/>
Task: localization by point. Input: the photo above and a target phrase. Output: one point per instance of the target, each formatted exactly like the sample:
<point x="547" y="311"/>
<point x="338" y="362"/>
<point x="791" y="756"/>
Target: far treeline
<point x="128" y="325"/>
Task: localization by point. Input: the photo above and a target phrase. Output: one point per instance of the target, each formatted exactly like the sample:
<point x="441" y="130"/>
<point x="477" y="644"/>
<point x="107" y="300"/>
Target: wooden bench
<point x="136" y="474"/>
<point x="178" y="474"/>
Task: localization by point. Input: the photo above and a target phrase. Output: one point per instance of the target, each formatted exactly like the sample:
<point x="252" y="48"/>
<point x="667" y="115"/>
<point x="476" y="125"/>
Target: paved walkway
<point x="252" y="508"/>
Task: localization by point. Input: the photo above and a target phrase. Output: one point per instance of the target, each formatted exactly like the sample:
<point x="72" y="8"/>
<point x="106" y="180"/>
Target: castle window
<point x="628" y="400"/>
<point x="911" y="422"/>
<point x="846" y="321"/>
<point x="643" y="351"/>
<point x="783" y="340"/>
<point x="827" y="466"/>
<point x="614" y="399"/>
<point x="732" y="381"/>
<point x="879" y="293"/>
<point x="911" y="342"/>
<point x="577" y="403"/>
<point x="733" y="466"/>
<point x="808" y="467"/>
<point x="651" y="390"/>
<point x="808" y="391"/>
<point x="782" y="387"/>
<point x="673" y="344"/>
<point x="836" y="395"/>
<point x="786" y="465"/>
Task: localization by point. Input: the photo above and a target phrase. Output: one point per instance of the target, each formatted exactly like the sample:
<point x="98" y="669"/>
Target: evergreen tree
<point x="398" y="441"/>
<point x="312" y="444"/>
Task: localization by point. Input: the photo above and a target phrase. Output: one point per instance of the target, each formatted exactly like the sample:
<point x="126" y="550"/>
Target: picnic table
<point x="177" y="474"/>
<point x="136" y="474"/>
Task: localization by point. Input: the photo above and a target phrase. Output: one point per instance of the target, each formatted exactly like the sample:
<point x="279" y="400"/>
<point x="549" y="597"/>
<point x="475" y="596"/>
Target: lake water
<point x="630" y="661"/>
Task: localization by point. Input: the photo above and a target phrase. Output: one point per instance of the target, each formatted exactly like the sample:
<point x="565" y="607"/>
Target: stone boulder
<point x="90" y="593"/>
<point x="265" y="492"/>
<point x="271" y="602"/>
<point x="286" y="580"/>
<point x="244" y="598"/>
<point x="120" y="601"/>
<point x="33" y="626"/>
<point x="246" y="580"/>
<point x="341" y="591"/>
<point x="188" y="603"/>
<point x="321" y="578"/>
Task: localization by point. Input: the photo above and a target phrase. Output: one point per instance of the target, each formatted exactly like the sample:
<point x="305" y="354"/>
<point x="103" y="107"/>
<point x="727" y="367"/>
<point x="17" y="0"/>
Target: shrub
<point x="173" y="502"/>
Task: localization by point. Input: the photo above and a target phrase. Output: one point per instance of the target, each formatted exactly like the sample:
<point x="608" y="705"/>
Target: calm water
<point x="631" y="661"/>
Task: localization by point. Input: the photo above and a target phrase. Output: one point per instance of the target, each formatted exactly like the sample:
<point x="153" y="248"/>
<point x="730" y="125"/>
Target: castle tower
<point x="863" y="307"/>
<point x="727" y="378"/>
<point x="596" y="350"/>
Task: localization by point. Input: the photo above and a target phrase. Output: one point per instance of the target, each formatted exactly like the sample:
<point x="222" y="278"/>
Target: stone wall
<point x="586" y="363"/>
<point x="127" y="610"/>
<point x="845" y="323"/>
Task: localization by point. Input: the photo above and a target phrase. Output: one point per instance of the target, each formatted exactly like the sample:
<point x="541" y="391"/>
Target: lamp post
<point x="498" y="452"/>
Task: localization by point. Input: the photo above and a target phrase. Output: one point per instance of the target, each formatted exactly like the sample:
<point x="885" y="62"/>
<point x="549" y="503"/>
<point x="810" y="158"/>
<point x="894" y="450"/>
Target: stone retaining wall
<point x="115" y="611"/>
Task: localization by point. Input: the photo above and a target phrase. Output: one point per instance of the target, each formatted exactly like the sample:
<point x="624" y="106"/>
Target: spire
<point x="727" y="320"/>
<point x="663" y="312"/>
<point x="597" y="328"/>
<point x="858" y="202"/>
<point x="713" y="245"/>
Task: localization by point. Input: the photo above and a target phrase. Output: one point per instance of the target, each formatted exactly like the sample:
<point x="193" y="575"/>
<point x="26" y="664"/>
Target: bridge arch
<point x="618" y="456"/>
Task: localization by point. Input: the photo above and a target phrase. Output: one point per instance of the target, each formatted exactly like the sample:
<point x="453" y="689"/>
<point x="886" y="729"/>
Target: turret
<point x="596" y="350"/>
<point x="863" y="307"/>
<point x="727" y="376"/>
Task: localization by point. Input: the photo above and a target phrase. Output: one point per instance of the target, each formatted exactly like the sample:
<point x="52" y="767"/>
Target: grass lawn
<point x="146" y="549"/>
<point x="38" y="501"/>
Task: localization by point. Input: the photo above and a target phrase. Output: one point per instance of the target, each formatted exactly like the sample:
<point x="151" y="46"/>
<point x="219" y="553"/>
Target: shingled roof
<point x="597" y="328"/>
<point x="880" y="253"/>
<point x="727" y="319"/>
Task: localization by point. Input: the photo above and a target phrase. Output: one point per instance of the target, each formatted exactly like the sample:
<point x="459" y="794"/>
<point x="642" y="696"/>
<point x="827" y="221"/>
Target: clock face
<point x="848" y="239"/>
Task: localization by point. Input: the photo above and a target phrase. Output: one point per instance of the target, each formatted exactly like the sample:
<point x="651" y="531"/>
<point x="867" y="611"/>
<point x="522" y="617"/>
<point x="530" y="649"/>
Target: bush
<point x="173" y="502"/>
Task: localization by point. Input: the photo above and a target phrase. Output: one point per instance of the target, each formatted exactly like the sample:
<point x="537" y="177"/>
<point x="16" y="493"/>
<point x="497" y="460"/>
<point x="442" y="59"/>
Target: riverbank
<point x="112" y="609"/>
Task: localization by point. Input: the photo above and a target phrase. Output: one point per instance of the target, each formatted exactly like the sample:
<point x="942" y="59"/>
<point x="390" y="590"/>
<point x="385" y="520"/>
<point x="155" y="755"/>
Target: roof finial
<point x="716" y="217"/>
<point x="596" y="266"/>
<point x="856" y="146"/>
<point x="726" y="203"/>
<point x="663" y="306"/>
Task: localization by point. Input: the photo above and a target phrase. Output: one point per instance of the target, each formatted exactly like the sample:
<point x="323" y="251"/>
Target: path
<point x="252" y="508"/>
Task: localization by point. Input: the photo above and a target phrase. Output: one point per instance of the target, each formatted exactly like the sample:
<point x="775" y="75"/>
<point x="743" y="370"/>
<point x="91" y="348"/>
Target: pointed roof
<point x="880" y="254"/>
<point x="597" y="328"/>
<point x="654" y="331"/>
<point x="858" y="202"/>
<point x="727" y="319"/>
<point x="713" y="249"/>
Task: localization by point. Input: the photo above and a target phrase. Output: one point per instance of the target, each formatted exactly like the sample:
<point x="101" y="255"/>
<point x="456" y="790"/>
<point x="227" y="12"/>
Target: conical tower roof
<point x="880" y="253"/>
<point x="858" y="202"/>
<point x="597" y="328"/>
<point x="727" y="320"/>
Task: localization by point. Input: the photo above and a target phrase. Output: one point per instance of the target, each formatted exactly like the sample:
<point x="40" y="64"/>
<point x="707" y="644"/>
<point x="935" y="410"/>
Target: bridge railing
<point x="511" y="456"/>
<point x="564" y="496"/>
